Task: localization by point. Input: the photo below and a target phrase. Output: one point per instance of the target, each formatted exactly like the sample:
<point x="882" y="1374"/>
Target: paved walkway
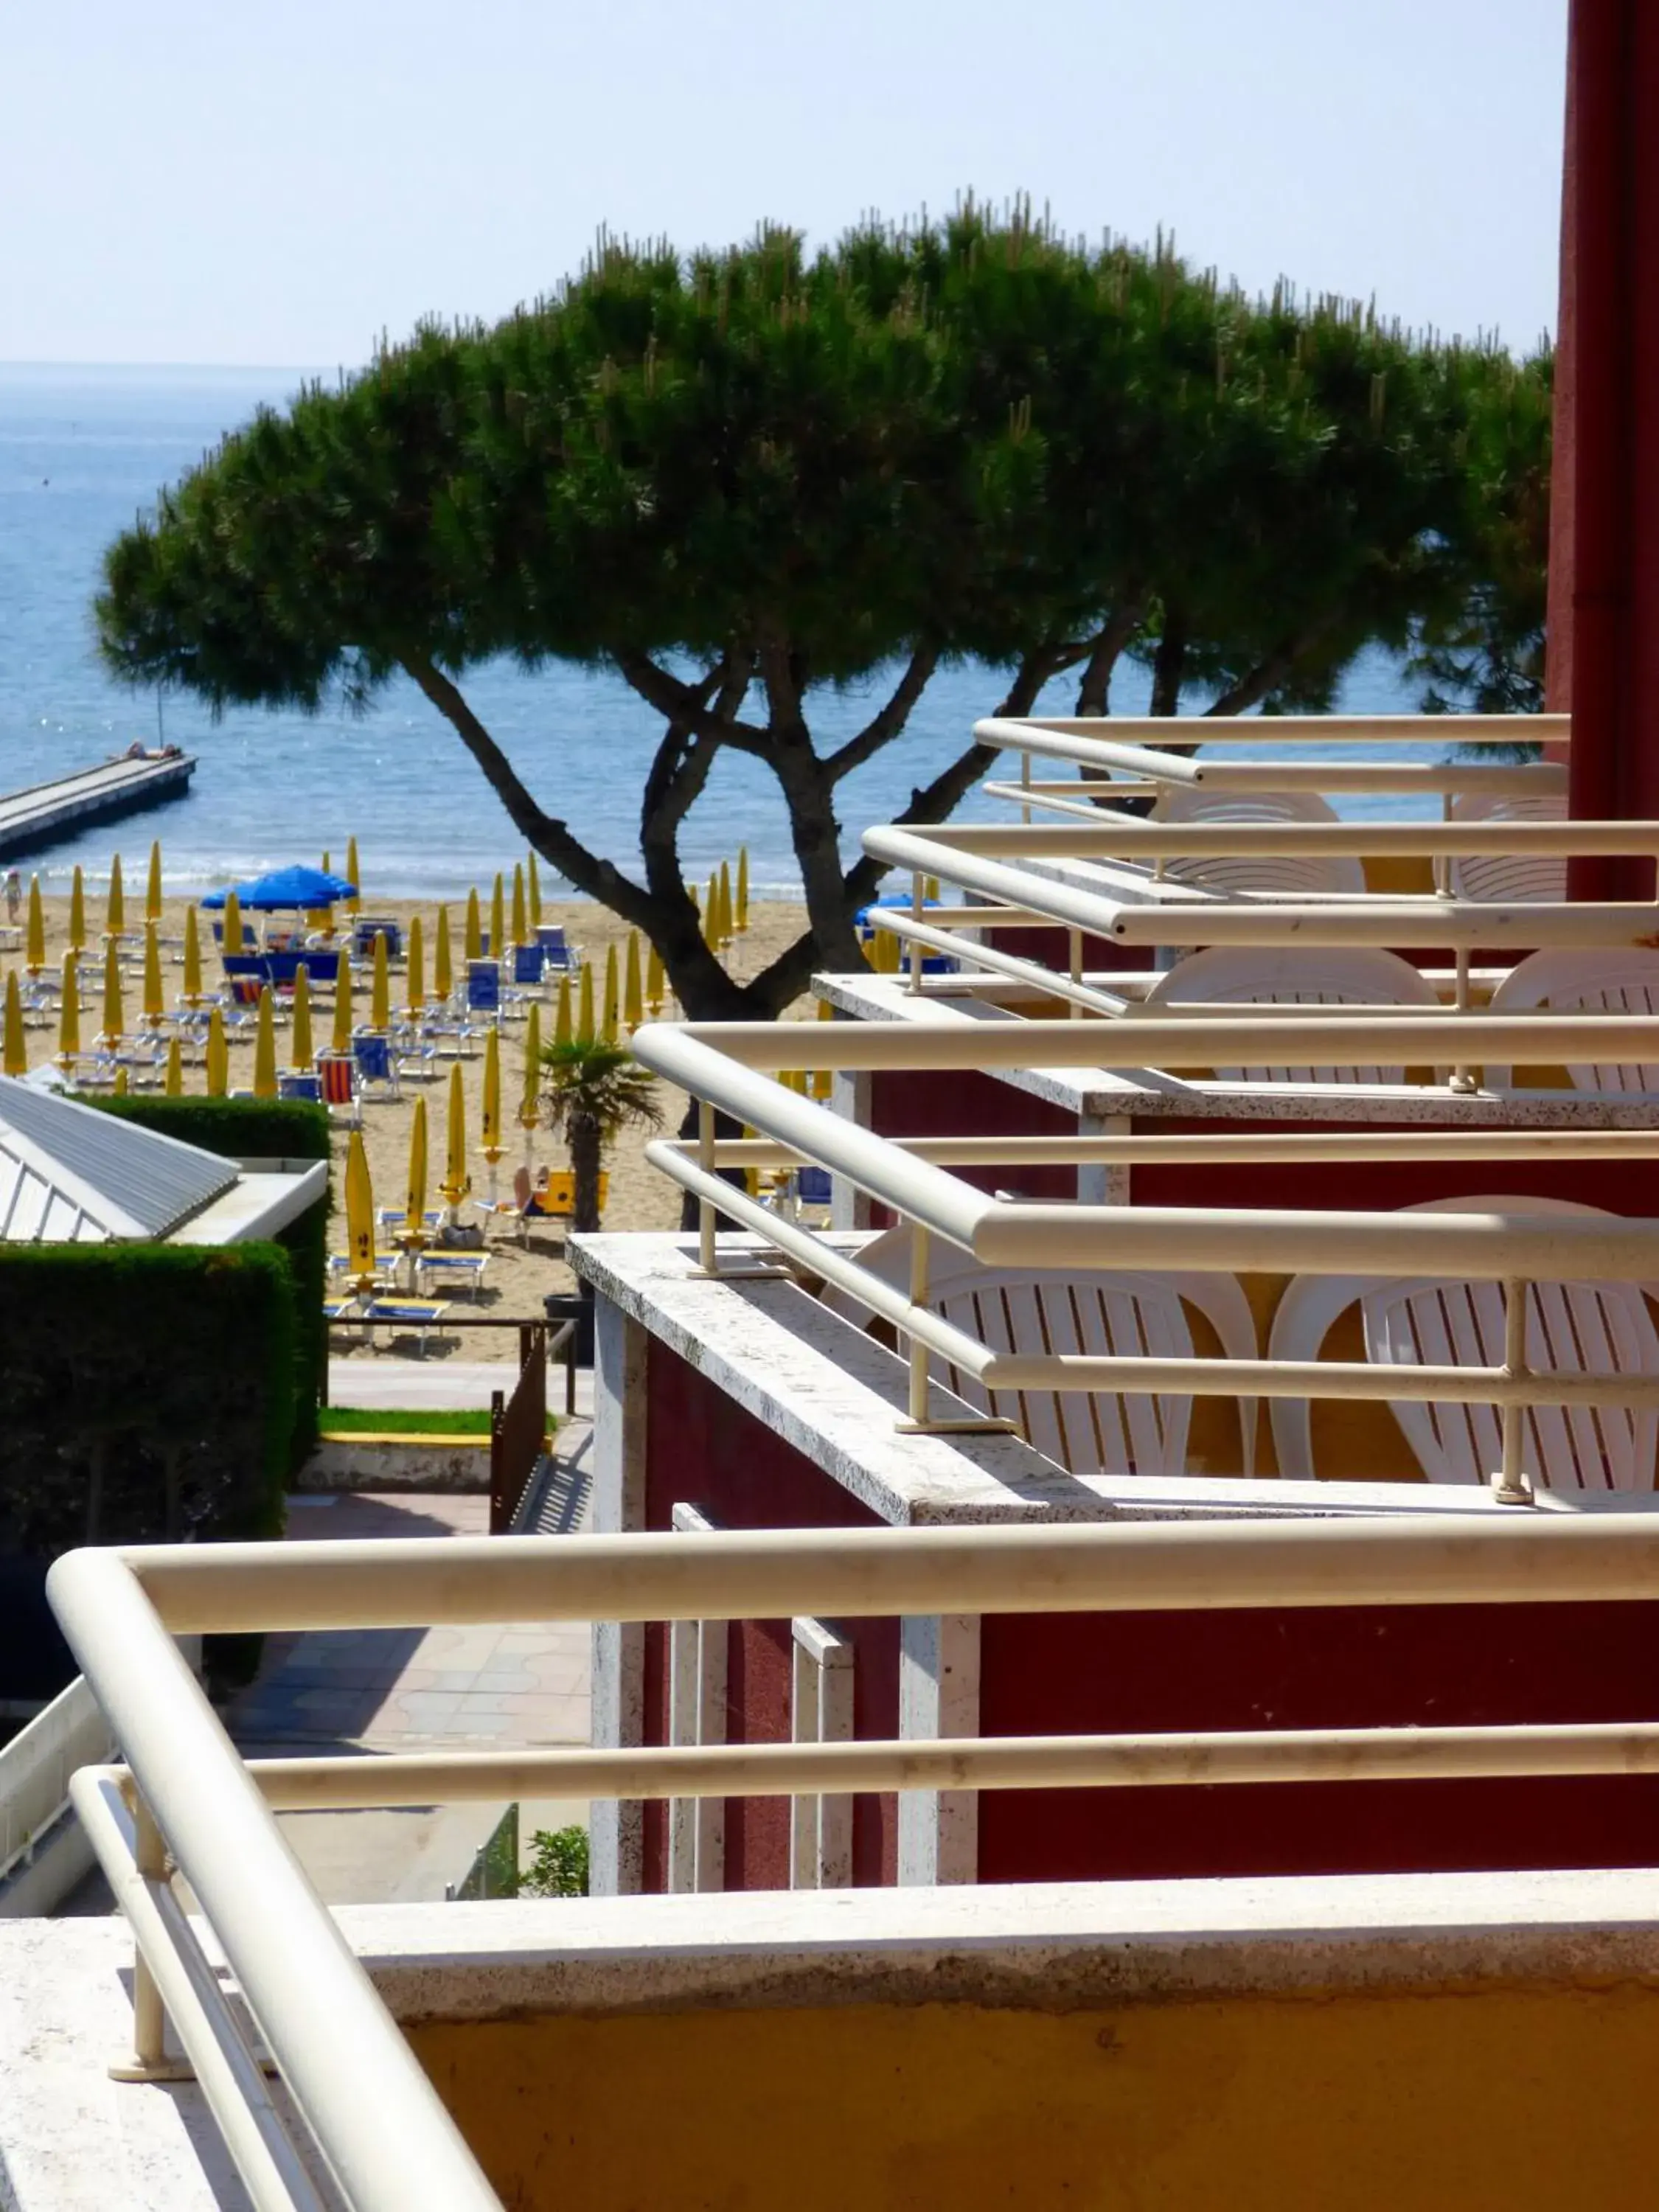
<point x="519" y="1684"/>
<point x="415" y="1382"/>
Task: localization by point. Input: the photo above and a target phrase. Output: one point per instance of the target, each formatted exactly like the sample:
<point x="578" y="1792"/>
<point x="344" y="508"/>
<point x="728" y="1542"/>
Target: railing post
<point x="1511" y="1487"/>
<point x="918" y="1349"/>
<point x="498" y="1507"/>
<point x="149" y="2020"/>
<point x="706" y="1217"/>
<point x="917" y="904"/>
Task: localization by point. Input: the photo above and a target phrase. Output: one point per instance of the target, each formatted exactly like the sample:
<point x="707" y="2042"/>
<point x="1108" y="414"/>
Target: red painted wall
<point x="922" y="1102"/>
<point x="703" y="1449"/>
<point x="1368" y="1668"/>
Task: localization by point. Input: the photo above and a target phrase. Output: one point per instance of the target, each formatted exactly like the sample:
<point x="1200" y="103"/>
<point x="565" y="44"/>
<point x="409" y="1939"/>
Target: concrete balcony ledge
<point x="70" y="2139"/>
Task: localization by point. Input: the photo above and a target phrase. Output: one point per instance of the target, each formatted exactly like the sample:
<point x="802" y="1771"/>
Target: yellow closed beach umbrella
<point x="472" y="943"/>
<point x="740" y="917"/>
<point x="114" y="1015"/>
<point x="726" y="929"/>
<point x="173" y="1085"/>
<point x="443" y="976"/>
<point x="77" y="921"/>
<point x="535" y="895"/>
<point x="415" y="1194"/>
<point x="264" y="1049"/>
<point x="69" y="1012"/>
<point x="655" y="982"/>
<point x="123" y="1082"/>
<point x="530" y="1098"/>
<point x="379" y="1001"/>
<point x="218" y="1056"/>
<point x="520" y="925"/>
<point x="192" y="959"/>
<point x="34" y="953"/>
<point x="585" y="1003"/>
<point x="360" y="1214"/>
<point x="115" y="914"/>
<point x="416" y="968"/>
<point x="456" y="1182"/>
<point x="491" y="1146"/>
<point x="497" y="918"/>
<point x="14" y="1056"/>
<point x="413" y="1235"/>
<point x="823" y="1080"/>
<point x="341" y="1038"/>
<point x="232" y="939"/>
<point x="711" y="913"/>
<point x="155" y="1005"/>
<point x="153" y="883"/>
<point x="612" y="995"/>
<point x="562" y="1013"/>
<point x="303" y="1056"/>
<point x="354" y="904"/>
<point x="633" y="992"/>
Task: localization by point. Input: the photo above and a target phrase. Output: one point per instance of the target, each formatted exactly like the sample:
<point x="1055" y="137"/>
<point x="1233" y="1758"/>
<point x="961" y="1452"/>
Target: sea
<point x="84" y="450"/>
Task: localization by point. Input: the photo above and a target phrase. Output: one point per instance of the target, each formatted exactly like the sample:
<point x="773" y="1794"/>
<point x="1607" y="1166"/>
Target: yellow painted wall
<point x="1485" y="2103"/>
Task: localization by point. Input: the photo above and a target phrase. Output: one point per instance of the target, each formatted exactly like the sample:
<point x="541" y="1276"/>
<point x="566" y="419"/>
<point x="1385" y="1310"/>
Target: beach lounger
<point x="372" y="1051"/>
<point x="402" y="1315"/>
<point x="437" y="1267"/>
<point x="483" y="987"/>
<point x="367" y="928"/>
<point x="556" y="953"/>
<point x="295" y="1083"/>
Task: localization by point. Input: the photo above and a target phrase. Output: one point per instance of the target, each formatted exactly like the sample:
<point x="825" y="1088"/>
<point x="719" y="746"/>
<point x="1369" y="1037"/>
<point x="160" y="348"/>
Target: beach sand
<point x="519" y="1275"/>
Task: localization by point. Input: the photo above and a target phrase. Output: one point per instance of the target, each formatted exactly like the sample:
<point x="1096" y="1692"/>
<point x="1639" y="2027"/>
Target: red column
<point x="1604" y="549"/>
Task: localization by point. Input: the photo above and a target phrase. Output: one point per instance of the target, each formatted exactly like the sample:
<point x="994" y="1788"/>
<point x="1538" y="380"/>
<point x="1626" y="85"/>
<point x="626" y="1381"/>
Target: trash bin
<point x="577" y="1306"/>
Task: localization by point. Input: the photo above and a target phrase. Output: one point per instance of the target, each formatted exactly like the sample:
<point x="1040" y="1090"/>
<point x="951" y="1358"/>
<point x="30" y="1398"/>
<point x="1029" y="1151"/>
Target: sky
<point x="230" y="182"/>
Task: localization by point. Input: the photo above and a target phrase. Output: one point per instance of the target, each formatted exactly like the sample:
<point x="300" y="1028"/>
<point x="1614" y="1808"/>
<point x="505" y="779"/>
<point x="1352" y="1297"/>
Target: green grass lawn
<point x="406" y="1421"/>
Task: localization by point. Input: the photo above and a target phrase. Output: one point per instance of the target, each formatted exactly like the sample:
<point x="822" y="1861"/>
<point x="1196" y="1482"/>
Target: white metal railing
<point x="185" y="1804"/>
<point x="721" y="1065"/>
<point x="35" y="1768"/>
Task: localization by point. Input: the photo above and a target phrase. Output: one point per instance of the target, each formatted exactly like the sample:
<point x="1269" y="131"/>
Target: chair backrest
<point x="812" y="1186"/>
<point x="1610" y="980"/>
<point x="373" y="1053"/>
<point x="1297" y="975"/>
<point x="293" y="1083"/>
<point x="528" y="960"/>
<point x="1572" y="1327"/>
<point x="1047" y="1310"/>
<point x="483" y="987"/>
<point x="337" y="1076"/>
<point x="1288" y="875"/>
<point x="246" y="990"/>
<point x="1507" y="877"/>
<point x="367" y="928"/>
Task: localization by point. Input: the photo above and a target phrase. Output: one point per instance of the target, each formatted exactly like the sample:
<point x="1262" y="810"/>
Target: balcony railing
<point x="183" y="1805"/>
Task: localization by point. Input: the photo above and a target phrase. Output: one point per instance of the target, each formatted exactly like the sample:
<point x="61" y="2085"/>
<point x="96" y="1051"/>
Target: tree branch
<point x="886" y="725"/>
<point x="681" y="702"/>
<point x="929" y="802"/>
<point x="600" y="879"/>
<point x="1095" y="688"/>
<point x="1268" y="674"/>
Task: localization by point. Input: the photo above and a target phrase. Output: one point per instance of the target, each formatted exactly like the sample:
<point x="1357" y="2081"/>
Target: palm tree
<point x="595" y="1090"/>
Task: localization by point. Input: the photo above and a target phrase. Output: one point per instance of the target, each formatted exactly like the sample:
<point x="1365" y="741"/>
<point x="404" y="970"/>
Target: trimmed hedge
<point x="265" y="1129"/>
<point x="147" y="1394"/>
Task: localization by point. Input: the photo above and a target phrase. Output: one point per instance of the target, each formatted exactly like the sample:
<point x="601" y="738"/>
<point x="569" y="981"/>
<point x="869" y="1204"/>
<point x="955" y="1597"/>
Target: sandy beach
<point x="519" y="1274"/>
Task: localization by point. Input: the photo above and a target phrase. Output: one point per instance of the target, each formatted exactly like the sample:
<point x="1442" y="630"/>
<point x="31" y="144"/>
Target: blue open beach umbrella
<point x="286" y="888"/>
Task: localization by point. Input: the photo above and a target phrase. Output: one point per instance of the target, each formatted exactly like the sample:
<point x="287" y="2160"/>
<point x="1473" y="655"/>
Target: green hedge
<point x="146" y="1394"/>
<point x="265" y="1129"/>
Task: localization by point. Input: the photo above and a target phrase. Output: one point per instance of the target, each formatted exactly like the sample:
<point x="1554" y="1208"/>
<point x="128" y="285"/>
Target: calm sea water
<point x="83" y="450"/>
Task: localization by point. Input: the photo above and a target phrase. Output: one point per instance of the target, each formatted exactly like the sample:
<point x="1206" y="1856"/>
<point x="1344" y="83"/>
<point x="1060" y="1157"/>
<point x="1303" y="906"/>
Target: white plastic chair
<point x="1572" y="1327"/>
<point x="1606" y="980"/>
<point x="1285" y="875"/>
<point x="1051" y="1310"/>
<point x="1295" y="975"/>
<point x="1507" y="878"/>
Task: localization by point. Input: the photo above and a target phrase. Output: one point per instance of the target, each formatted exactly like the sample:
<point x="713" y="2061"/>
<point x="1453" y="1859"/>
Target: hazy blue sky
<point x="232" y="181"/>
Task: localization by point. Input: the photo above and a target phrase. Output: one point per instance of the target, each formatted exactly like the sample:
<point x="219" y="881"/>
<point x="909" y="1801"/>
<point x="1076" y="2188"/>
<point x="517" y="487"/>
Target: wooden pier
<point x="46" y="813"/>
